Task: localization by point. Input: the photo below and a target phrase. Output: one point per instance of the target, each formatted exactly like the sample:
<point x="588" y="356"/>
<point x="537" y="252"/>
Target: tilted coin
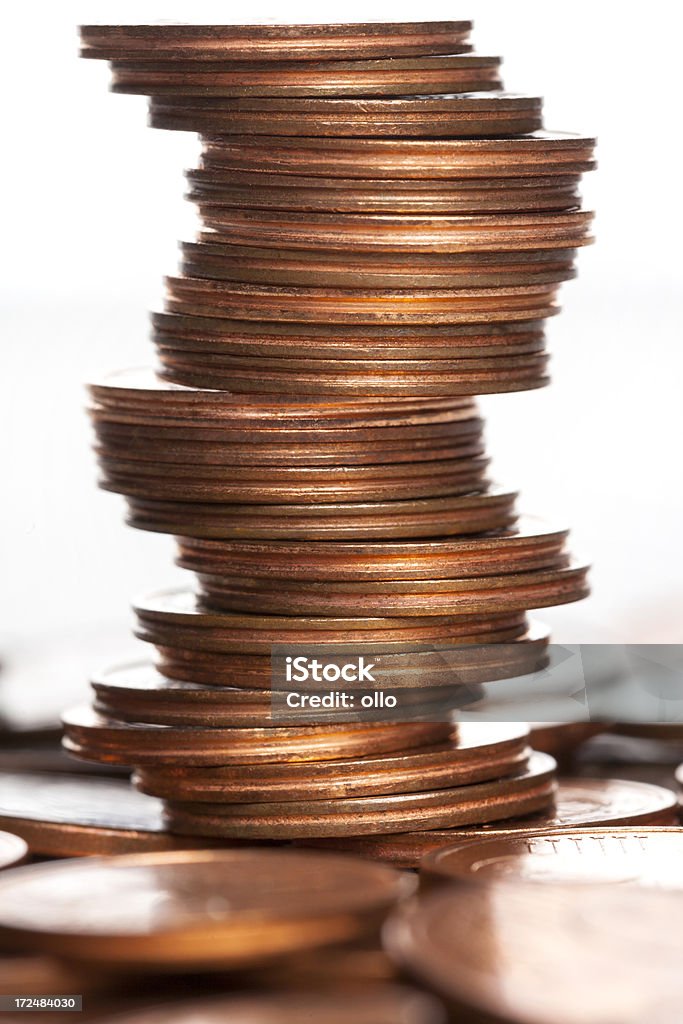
<point x="650" y="857"/>
<point x="60" y="815"/>
<point x="273" y="42"/>
<point x="393" y="77"/>
<point x="478" y="754"/>
<point x="453" y="114"/>
<point x="516" y="950"/>
<point x="13" y="849"/>
<point x="539" y="153"/>
<point x="194" y="910"/>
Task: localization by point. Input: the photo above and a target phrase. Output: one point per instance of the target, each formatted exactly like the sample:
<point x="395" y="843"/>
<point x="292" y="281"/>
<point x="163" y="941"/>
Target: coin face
<point x="516" y="950"/>
<point x="13" y="850"/>
<point x="586" y="856"/>
<point x="197" y="909"/>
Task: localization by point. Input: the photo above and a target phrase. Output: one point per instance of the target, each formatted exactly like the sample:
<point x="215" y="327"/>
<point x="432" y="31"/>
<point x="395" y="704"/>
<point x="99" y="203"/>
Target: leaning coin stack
<point x="384" y="232"/>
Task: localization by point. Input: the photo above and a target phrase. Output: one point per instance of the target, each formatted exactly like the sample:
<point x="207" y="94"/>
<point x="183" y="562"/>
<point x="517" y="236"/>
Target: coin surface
<point x="60" y="815"/>
<point x="516" y="951"/>
<point x="601" y="856"/>
<point x="195" y="910"/>
<point x="273" y="42"/>
<point x="579" y="804"/>
<point x="13" y="850"/>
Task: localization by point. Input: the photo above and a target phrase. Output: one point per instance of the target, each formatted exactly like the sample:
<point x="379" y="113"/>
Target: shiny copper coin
<point x="211" y="909"/>
<point x="219" y="335"/>
<point x="176" y="618"/>
<point x="211" y="257"/>
<point x="529" y="789"/>
<point x="466" y="514"/>
<point x="539" y="153"/>
<point x="455" y="114"/>
<point x="477" y="755"/>
<point x="13" y="849"/>
<point x="410" y="233"/>
<point x="395" y="77"/>
<point x="268" y="190"/>
<point x="190" y="295"/>
<point x="579" y="804"/>
<point x="530" y="544"/>
<point x="515" y="951"/>
<point x="273" y="42"/>
<point x="539" y="588"/>
<point x="379" y="1004"/>
<point x="650" y="857"/>
<point x="561" y="738"/>
<point x="93" y="737"/>
<point x="61" y="815"/>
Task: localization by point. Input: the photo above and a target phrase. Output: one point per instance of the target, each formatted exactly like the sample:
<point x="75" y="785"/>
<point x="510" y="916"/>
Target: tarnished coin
<point x="380" y="1004"/>
<point x="273" y="42"/>
<point x="478" y="754"/>
<point x="394" y="77"/>
<point x="61" y="815"/>
<point x="535" y="954"/>
<point x="468" y="114"/>
<point x="529" y="789"/>
<point x="194" y="910"/>
<point x="579" y="804"/>
<point x="13" y="849"/>
<point x="650" y="857"/>
<point x="539" y="153"/>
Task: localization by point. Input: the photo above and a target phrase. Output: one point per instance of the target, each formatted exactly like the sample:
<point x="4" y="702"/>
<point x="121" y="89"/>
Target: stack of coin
<point x="383" y="234"/>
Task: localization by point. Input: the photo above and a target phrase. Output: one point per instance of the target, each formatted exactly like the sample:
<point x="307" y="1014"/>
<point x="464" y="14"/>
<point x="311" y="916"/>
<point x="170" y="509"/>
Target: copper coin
<point x="13" y="849"/>
<point x="539" y="153"/>
<point x="194" y="910"/>
<point x="455" y="114"/>
<point x="466" y="514"/>
<point x="60" y="815"/>
<point x="516" y="951"/>
<point x="649" y="857"/>
<point x="539" y="588"/>
<point x="528" y="789"/>
<point x="679" y="777"/>
<point x="579" y="804"/>
<point x="530" y="544"/>
<point x="273" y="42"/>
<point x="307" y="193"/>
<point x="476" y="755"/>
<point x="665" y="731"/>
<point x="380" y="1004"/>
<point x="394" y="77"/>
<point x="189" y="295"/>
<point x="410" y="233"/>
<point x="561" y="738"/>
<point x="279" y="339"/>
<point x="93" y="737"/>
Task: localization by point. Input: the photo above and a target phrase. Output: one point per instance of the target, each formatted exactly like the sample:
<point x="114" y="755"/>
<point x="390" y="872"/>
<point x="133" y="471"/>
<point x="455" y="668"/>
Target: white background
<point x="92" y="210"/>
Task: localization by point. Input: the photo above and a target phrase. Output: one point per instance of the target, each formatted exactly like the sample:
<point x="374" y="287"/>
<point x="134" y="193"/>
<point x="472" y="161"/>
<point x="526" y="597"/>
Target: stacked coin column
<point x="384" y="233"/>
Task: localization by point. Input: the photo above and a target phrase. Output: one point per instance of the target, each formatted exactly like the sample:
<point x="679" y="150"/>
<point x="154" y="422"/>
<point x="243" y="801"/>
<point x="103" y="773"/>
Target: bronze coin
<point x="528" y="789"/>
<point x="663" y="731"/>
<point x="466" y="514"/>
<point x="342" y="342"/>
<point x="539" y="153"/>
<point x="476" y="755"/>
<point x="60" y="815"/>
<point x="539" y="588"/>
<point x="410" y="233"/>
<point x="394" y="77"/>
<point x="561" y="738"/>
<point x="93" y="737"/>
<point x="211" y="909"/>
<point x="455" y="114"/>
<point x="579" y="804"/>
<point x="13" y="849"/>
<point x="649" y="857"/>
<point x="273" y="42"/>
<point x="516" y="951"/>
<point x="379" y="1004"/>
<point x="530" y="544"/>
